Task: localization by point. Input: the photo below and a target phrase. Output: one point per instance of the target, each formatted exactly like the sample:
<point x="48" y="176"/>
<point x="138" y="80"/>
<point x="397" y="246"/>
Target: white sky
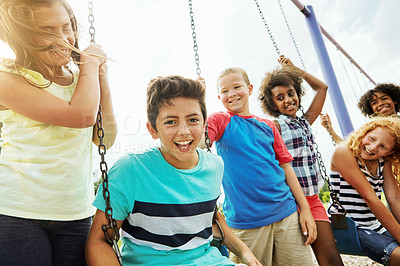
<point x="148" y="38"/>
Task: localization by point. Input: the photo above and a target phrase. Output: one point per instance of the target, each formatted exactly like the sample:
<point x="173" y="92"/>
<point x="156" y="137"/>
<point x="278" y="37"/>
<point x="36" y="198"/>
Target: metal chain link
<point x="330" y="133"/>
<point x="114" y="236"/>
<point x="92" y="30"/>
<point x="365" y="83"/>
<point x="195" y="46"/>
<point x="268" y="29"/>
<point x="355" y="75"/>
<point x="207" y="138"/>
<point x="347" y="74"/>
<point x="291" y="35"/>
<point x="322" y="168"/>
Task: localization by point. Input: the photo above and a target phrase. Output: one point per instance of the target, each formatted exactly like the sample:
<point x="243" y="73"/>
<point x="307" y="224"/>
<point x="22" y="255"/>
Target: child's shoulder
<point x="265" y="120"/>
<point x="31" y="75"/>
<point x="209" y="156"/>
<point x="342" y="151"/>
<point x="219" y="114"/>
<point x="137" y="157"/>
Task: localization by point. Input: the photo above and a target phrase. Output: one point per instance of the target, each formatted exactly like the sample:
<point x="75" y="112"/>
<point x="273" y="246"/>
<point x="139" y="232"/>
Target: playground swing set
<point x="344" y="228"/>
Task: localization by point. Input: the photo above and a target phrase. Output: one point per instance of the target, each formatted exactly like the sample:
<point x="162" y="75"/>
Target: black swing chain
<point x="322" y="168"/>
<point x="319" y="156"/>
<point x="198" y="70"/>
<point x="195" y="46"/>
<point x="328" y="127"/>
<point x="215" y="242"/>
<point x="207" y="138"/>
<point x="291" y="35"/>
<point x="268" y="29"/>
<point x="112" y="238"/>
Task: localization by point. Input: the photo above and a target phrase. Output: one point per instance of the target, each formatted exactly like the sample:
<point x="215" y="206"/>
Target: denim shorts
<point x="377" y="246"/>
<point x="41" y="242"/>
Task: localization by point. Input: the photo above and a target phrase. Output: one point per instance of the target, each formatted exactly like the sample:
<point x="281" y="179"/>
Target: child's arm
<point x="316" y="84"/>
<point x="278" y="126"/>
<point x="38" y="104"/>
<point x="234" y="244"/>
<point x="346" y="164"/>
<point x="327" y="124"/>
<point x="306" y="219"/>
<point x="108" y="117"/>
<point x="97" y="249"/>
<point x="391" y="188"/>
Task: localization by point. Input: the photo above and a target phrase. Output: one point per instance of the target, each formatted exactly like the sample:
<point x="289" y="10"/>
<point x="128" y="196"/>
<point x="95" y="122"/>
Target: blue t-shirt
<point x="167" y="212"/>
<point x="256" y="193"/>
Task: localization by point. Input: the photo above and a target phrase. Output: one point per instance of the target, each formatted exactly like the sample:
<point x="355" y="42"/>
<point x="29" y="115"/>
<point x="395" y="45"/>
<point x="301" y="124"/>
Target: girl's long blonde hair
<point x="18" y="30"/>
<point x="392" y="126"/>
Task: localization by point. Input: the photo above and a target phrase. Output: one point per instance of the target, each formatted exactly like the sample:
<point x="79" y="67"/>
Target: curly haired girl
<point x="361" y="167"/>
<point x="280" y="96"/>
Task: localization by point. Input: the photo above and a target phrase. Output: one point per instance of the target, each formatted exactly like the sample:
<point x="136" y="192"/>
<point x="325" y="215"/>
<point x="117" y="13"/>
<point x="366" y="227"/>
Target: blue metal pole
<point x="329" y="74"/>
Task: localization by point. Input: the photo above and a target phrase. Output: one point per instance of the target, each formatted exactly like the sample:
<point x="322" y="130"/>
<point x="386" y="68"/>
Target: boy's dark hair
<point x="388" y="88"/>
<point x="162" y="89"/>
<point x="279" y="77"/>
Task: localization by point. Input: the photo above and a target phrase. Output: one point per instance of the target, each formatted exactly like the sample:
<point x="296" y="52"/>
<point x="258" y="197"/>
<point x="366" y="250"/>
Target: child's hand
<point x="103" y="77"/>
<point x="95" y="53"/>
<point x="285" y="62"/>
<point x="202" y="81"/>
<point x="326" y="121"/>
<point x="251" y="260"/>
<point x="308" y="226"/>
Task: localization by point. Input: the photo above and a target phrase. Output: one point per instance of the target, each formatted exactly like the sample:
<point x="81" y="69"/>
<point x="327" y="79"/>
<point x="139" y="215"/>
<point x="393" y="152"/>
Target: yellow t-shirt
<point x="45" y="170"/>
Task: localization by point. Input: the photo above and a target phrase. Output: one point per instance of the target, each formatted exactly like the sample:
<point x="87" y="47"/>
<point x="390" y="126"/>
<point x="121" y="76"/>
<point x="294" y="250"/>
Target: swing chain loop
<point x="347" y="74"/>
<point x="291" y="35"/>
<point x="207" y="139"/>
<point x="195" y="46"/>
<point x="332" y="193"/>
<point x="322" y="169"/>
<point x="268" y="29"/>
<point x="112" y="238"/>
<point x="330" y="133"/>
<point x="92" y="30"/>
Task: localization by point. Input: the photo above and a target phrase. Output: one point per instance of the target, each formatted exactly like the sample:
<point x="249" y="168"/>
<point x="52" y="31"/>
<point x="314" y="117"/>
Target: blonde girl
<point x="48" y="112"/>
<point x="361" y="168"/>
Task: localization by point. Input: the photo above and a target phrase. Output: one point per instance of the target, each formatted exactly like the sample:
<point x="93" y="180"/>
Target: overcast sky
<point x="148" y="38"/>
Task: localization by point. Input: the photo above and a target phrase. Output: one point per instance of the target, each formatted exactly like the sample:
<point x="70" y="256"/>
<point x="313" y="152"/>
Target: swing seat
<point x="224" y="251"/>
<point x="346" y="235"/>
<point x="217" y="242"/>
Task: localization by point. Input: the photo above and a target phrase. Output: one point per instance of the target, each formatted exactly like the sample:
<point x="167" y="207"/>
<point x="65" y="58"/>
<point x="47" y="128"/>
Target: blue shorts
<point x="42" y="242"/>
<point x="377" y="246"/>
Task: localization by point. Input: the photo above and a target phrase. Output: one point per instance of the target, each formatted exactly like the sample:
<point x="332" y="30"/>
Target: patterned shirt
<point x="299" y="140"/>
<point x="352" y="201"/>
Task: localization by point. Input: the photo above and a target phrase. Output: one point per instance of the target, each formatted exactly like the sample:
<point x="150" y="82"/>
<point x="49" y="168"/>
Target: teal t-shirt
<point x="167" y="212"/>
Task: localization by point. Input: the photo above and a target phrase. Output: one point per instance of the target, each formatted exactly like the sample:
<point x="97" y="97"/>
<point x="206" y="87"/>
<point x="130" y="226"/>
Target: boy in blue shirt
<point x="164" y="198"/>
<point x="261" y="188"/>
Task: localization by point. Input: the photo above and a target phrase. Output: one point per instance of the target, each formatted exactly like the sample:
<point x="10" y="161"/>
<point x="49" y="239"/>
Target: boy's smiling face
<point x="234" y="93"/>
<point x="180" y="127"/>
